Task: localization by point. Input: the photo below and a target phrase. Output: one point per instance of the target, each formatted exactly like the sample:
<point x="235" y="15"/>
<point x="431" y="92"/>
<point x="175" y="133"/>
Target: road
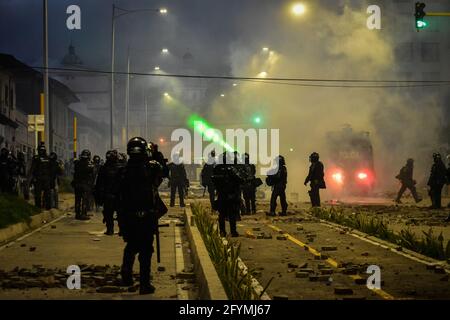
<point x="340" y="273"/>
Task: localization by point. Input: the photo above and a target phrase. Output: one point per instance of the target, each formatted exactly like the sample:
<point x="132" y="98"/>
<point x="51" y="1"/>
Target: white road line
<point x="179" y="263"/>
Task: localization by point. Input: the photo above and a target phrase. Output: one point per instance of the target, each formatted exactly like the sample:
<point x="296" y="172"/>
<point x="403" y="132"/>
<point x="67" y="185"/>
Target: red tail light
<point x="362" y="176"/>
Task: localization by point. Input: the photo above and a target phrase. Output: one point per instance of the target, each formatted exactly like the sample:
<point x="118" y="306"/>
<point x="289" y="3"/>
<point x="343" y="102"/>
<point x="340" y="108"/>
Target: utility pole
<point x="47" y="124"/>
<point x="111" y="110"/>
<point x="127" y="98"/>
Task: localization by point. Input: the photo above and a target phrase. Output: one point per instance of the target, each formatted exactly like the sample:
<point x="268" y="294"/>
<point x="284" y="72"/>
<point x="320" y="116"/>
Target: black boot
<point x="145" y="287"/>
<point x="126" y="271"/>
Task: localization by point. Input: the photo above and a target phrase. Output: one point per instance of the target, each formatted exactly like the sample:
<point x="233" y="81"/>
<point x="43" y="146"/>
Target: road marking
<point x="32" y="232"/>
<point x="330" y="261"/>
<point x="179" y="263"/>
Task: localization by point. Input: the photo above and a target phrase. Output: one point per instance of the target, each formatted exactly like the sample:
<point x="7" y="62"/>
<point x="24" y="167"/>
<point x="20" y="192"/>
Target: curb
<point x="14" y="231"/>
<point x="210" y="286"/>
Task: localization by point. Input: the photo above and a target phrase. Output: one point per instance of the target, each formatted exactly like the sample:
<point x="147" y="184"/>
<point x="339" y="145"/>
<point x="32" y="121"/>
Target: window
<point x="404" y="52"/>
<point x="430" y="52"/>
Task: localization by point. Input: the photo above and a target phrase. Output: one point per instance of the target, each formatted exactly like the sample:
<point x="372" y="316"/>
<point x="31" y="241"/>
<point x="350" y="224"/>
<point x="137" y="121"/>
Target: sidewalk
<point x="41" y="259"/>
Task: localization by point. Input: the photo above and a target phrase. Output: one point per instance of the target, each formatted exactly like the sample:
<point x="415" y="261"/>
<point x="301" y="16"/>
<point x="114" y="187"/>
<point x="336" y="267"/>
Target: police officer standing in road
<point x="436" y="181"/>
<point x="22" y="172"/>
<point x="177" y="179"/>
<point x="277" y="179"/>
<point x="139" y="211"/>
<point x="315" y="178"/>
<point x="249" y="187"/>
<point x="105" y="189"/>
<point x="40" y="174"/>
<point x="227" y="180"/>
<point x="57" y="170"/>
<point x="406" y="179"/>
<point x="206" y="177"/>
<point x="83" y="183"/>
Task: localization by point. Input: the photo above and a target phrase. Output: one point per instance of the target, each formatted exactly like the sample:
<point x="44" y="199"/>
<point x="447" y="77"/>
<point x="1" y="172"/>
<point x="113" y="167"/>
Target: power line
<point x="283" y="81"/>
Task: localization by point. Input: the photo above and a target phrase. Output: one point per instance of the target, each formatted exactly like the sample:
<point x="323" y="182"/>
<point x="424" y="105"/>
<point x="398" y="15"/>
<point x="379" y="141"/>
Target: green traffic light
<point x="420" y="24"/>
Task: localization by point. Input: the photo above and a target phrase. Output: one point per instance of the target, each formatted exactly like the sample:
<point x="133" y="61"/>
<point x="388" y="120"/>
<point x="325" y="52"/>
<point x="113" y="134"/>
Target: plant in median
<point x="429" y="244"/>
<point x="225" y="256"/>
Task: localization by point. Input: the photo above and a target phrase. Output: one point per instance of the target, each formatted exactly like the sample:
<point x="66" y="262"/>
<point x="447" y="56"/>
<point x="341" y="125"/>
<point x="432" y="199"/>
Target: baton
<point x="158" y="248"/>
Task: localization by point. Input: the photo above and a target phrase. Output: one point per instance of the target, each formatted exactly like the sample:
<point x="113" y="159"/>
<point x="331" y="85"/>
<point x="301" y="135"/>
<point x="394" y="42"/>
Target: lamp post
<point x="121" y="12"/>
<point x="47" y="122"/>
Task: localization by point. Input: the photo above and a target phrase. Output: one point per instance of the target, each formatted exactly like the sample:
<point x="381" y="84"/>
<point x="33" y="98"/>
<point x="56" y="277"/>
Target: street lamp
<point x="298" y="9"/>
<point x="265" y="49"/>
<point x="165" y="50"/>
<point x="157" y="68"/>
<point x="121" y="12"/>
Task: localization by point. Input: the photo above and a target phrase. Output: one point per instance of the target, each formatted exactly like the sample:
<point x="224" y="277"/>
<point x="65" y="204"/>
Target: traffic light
<point x="420" y="14"/>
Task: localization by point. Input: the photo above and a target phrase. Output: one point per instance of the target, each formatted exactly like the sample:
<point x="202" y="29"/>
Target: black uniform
<point x="105" y="191"/>
<point x="22" y="173"/>
<point x="249" y="187"/>
<point x="316" y="179"/>
<point x="278" y="181"/>
<point x="228" y="180"/>
<point x="40" y="173"/>
<point x="8" y="172"/>
<point x="437" y="180"/>
<point x="206" y="176"/>
<point x="83" y="183"/>
<point x="57" y="171"/>
<point x="178" y="180"/>
<point x="406" y="178"/>
<point x="139" y="210"/>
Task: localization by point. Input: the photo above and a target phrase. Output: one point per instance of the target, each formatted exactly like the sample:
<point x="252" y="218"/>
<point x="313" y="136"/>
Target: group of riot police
<point x="439" y="177"/>
<point x="42" y="176"/>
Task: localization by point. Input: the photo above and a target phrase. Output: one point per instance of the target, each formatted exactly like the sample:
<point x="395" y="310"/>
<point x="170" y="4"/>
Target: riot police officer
<point x="406" y="179"/>
<point x="4" y="171"/>
<point x="206" y="176"/>
<point x="8" y="172"/>
<point x="315" y="178"/>
<point x="177" y="179"/>
<point x="139" y="211"/>
<point x="227" y="180"/>
<point x="40" y="175"/>
<point x="105" y="189"/>
<point x="83" y="183"/>
<point x="249" y="187"/>
<point x="22" y="172"/>
<point x="57" y="170"/>
<point x="437" y="180"/>
<point x="158" y="156"/>
<point x="277" y="179"/>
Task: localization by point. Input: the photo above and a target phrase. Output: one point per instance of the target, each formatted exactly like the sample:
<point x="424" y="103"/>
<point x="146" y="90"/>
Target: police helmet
<point x="85" y="154"/>
<point x="112" y="155"/>
<point x="137" y="146"/>
<point x="314" y="156"/>
<point x="436" y="156"/>
<point x="53" y="156"/>
<point x="41" y="149"/>
<point x="96" y="159"/>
